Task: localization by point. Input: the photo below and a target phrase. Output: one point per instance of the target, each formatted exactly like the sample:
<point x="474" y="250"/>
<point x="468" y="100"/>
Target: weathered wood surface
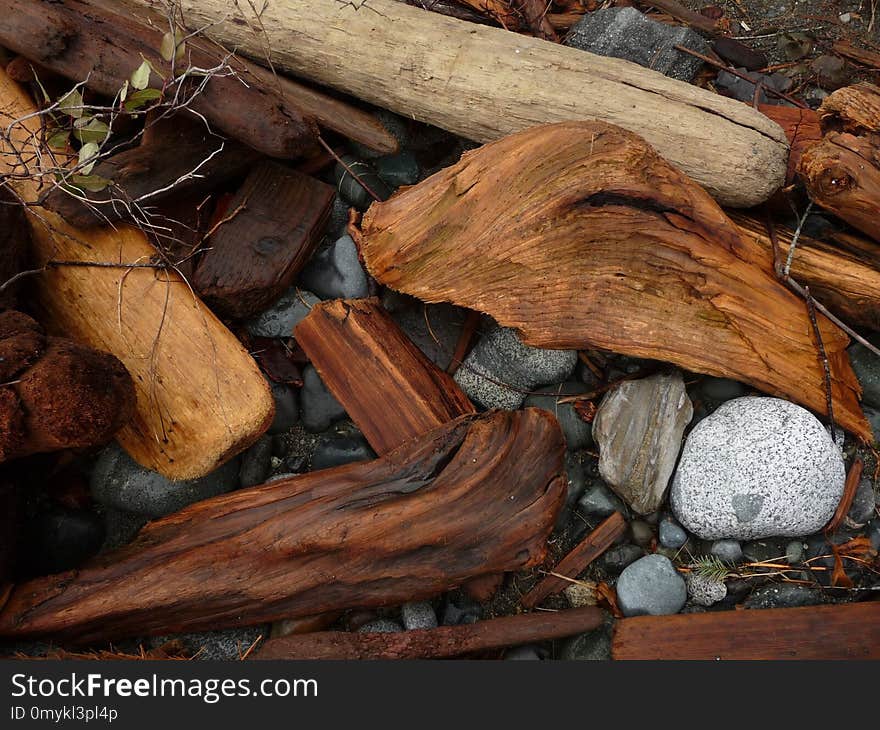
<point x="444" y="641"/>
<point x="200" y="397"/>
<point x="272" y="225"/>
<point x="847" y="631"/>
<point x="580" y="236"/>
<point x="478" y="495"/>
<point x="385" y="383"/>
<point x="484" y="83"/>
<point x="577" y="560"/>
<point x="854" y="109"/>
<point x="802" y="128"/>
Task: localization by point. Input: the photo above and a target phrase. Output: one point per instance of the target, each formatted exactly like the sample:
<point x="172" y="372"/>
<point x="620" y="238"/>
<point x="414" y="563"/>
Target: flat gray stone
<point x="281" y="318"/>
<point x="599" y="501"/>
<point x="638" y="427"/>
<point x="500" y="369"/>
<point x="320" y="409"/>
<point x="704" y="591"/>
<point x="578" y="433"/>
<point x="335" y="272"/>
<point x="757" y="467"/>
<point x="626" y="33"/>
<point x="399" y="169"/>
<point x="434" y="328"/>
<point x="118" y="481"/>
<point x="651" y="586"/>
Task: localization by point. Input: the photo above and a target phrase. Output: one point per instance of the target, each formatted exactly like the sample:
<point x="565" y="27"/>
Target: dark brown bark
<point x="476" y="496"/>
<point x="444" y="641"/>
<point x="386" y="384"/>
<point x="590" y="548"/>
<point x="269" y="231"/>
<point x="847" y="631"/>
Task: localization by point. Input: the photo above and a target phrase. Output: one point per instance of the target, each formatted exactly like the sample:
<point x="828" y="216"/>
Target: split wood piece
<point x="853" y="477"/>
<point x="590" y="548"/>
<point x="842" y="174"/>
<point x="846" y="631"/>
<point x="444" y="641"/>
<point x="854" y="109"/>
<point x="845" y="281"/>
<point x="56" y="394"/>
<point x="802" y="128"/>
<point x="201" y="398"/>
<point x="80" y="40"/>
<point x="180" y="160"/>
<point x="859" y="55"/>
<point x="270" y="230"/>
<point x="475" y="496"/>
<point x="581" y="236"/>
<point x="385" y="383"/>
<point x="484" y="83"/>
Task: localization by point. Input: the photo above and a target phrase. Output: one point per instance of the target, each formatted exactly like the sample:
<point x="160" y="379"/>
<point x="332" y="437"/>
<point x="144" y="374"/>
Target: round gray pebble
<point x="418" y="615"/>
<point x="730" y="551"/>
<point x="651" y="586"/>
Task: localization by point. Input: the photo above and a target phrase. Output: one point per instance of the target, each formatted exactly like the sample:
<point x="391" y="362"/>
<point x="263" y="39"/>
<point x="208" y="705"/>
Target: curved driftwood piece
<point x="478" y="495"/>
<point x="581" y="236"/>
<point x="483" y="83"/>
<point x="444" y="641"/>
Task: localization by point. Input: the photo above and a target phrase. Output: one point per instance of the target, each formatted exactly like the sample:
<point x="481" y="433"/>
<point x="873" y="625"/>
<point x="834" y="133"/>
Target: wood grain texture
<point x="577" y="560"/>
<point x="444" y="641"/>
<point x="802" y="128"/>
<point x="854" y="109"/>
<point x="478" y="495"/>
<point x="385" y="383"/>
<point x="847" y="631"/>
<point x="580" y="236"/>
<point x="484" y="83"/>
<point x="200" y="397"/>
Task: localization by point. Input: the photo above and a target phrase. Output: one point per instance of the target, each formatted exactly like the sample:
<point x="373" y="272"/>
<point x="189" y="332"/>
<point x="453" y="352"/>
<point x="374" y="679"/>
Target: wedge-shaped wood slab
<point x="386" y="384"/>
<point x="581" y="236"/>
<point x="478" y="495"/>
<point x="848" y="631"/>
<point x="200" y="397"/>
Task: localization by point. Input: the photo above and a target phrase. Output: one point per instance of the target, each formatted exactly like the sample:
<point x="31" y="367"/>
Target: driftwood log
<point x="848" y="631"/>
<point x="581" y="236"/>
<point x="385" y="383"/>
<point x="444" y="641"/>
<point x="475" y="496"/>
<point x="483" y="83"/>
<point x="200" y="397"/>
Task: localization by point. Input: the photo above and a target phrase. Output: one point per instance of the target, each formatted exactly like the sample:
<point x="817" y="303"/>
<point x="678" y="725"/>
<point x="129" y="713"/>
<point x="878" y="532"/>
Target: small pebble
<point x="651" y="586"/>
<point x="730" y="551"/>
<point x="286" y="409"/>
<point x="341" y="449"/>
<point x="598" y="500"/>
<point x="619" y="557"/>
<point x="256" y="463"/>
<point x="282" y="317"/>
<point x="593" y="646"/>
<point x="671" y="535"/>
<point x="704" y="591"/>
<point x="381" y="626"/>
<point x="418" y="615"/>
<point x="863" y="506"/>
<point x="794" y="552"/>
<point x="642" y="532"/>
<point x="320" y="409"/>
<point x="335" y="272"/>
<point x="580" y="594"/>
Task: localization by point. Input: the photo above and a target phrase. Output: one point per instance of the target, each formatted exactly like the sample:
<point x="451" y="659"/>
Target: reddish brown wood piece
<point x="444" y="641"/>
<point x="846" y="631"/>
<point x="386" y="384"/>
<point x="802" y="127"/>
<point x="849" y="492"/>
<point x="590" y="548"/>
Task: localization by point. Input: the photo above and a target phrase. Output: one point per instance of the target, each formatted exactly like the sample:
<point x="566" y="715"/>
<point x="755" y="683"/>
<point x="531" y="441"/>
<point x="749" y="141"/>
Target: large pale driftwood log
<point x="580" y="236"/>
<point x="200" y="397"/>
<point x="478" y="495"/>
<point x="483" y="83"/>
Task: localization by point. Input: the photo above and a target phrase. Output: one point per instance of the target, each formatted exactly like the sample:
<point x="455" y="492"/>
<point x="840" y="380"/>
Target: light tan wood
<point x="200" y="397"/>
<point x="484" y="83"/>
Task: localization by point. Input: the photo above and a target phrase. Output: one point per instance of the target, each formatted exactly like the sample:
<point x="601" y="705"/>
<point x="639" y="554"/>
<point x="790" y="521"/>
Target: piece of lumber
<point x="581" y="236"/>
<point x="386" y="384"/>
<point x="271" y="227"/>
<point x="179" y="160"/>
<point x="802" y="129"/>
<point x="577" y="560"/>
<point x="201" y="398"/>
<point x="846" y="631"/>
<point x="483" y="83"/>
<point x="845" y="281"/>
<point x="477" y="495"/>
<point x="80" y="40"/>
<point x="842" y="174"/>
<point x="443" y="641"/>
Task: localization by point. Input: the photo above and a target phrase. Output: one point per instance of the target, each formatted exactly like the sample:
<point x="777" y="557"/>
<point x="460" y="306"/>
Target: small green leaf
<point x="88" y="152"/>
<point x="72" y="104"/>
<point x="141" y="76"/>
<point x="94" y="131"/>
<point x="92" y="183"/>
<point x="58" y="139"/>
<point x="139" y="98"/>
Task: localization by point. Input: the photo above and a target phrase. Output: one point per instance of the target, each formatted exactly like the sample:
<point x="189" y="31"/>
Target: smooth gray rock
<point x="286" y="409"/>
<point x="638" y="427"/>
<point x="418" y="615"/>
<point x="60" y="539"/>
<point x="338" y="221"/>
<point x="626" y="33"/>
<point x="341" y="449"/>
<point x="863" y="504"/>
<point x="120" y="527"/>
<point x="671" y="535"/>
<point x="320" y="409"/>
<point x="730" y="551"/>
<point x="867" y="368"/>
<point x="757" y="467"/>
<point x="335" y="272"/>
<point x="256" y="463"/>
<point x="642" y="532"/>
<point x="599" y="501"/>
<point x="281" y="318"/>
<point x="578" y="433"/>
<point x="500" y="368"/>
<point x="381" y="626"/>
<point x="119" y="482"/>
<point x="593" y="646"/>
<point x="703" y="590"/>
<point x="460" y="610"/>
<point x="619" y="557"/>
<point x="722" y="389"/>
<point x="434" y="328"/>
<point x="651" y="586"/>
<point x="522" y="653"/>
<point x="399" y="169"/>
<point x="784" y="595"/>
